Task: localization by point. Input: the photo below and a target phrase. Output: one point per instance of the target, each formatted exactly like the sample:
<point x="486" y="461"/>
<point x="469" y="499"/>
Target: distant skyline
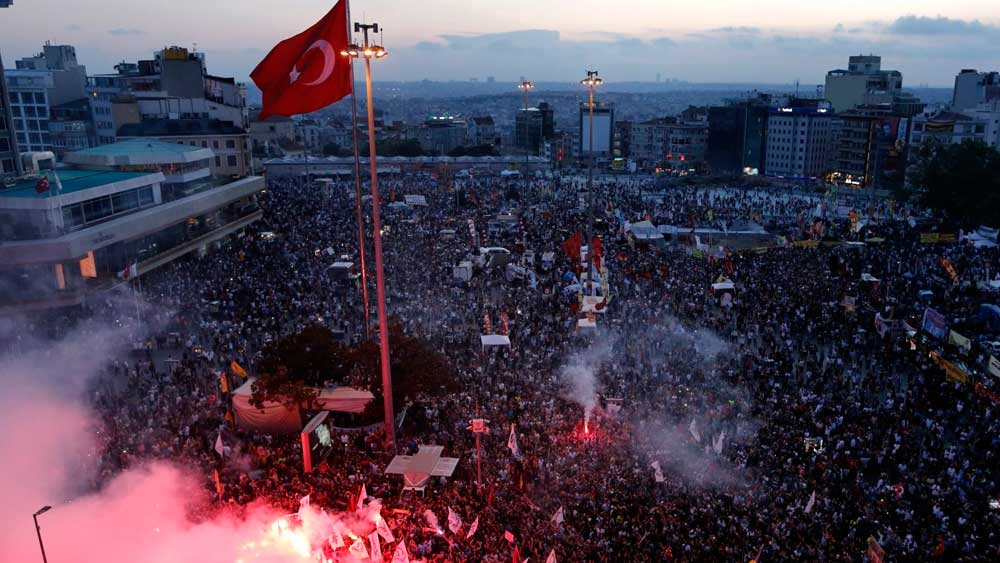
<point x="772" y="41"/>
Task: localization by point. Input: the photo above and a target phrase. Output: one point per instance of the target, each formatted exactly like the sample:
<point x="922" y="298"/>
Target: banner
<point x="994" y="366"/>
<point x="934" y="324"/>
<point x="963" y="343"/>
<point x="952" y="371"/>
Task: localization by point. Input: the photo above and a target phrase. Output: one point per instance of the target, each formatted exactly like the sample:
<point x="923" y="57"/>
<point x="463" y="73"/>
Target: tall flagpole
<point x="357" y="191"/>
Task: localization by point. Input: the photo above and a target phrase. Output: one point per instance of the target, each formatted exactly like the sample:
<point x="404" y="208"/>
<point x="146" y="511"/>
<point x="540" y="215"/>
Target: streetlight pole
<point x="370" y="51"/>
<point x="525" y="87"/>
<point x="357" y="203"/>
<point x="591" y="82"/>
<point x="38" y="529"/>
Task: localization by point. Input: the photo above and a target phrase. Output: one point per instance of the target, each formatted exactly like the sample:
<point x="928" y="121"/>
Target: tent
<point x="494" y="340"/>
<point x="279" y="418"/>
<point x="418" y="469"/>
<point x="590" y="304"/>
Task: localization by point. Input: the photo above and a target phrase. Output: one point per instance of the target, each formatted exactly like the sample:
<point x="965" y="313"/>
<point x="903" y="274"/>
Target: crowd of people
<point x="779" y="423"/>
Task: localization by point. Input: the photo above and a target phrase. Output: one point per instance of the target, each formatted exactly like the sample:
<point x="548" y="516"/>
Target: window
<point x="97" y="209"/>
<point x="35" y="138"/>
<point x="29" y="111"/>
<point x="231" y="160"/>
<point x="204" y="145"/>
<point x="7" y="165"/>
<point x="3" y="123"/>
<point x="218" y="162"/>
<point x="16" y="110"/>
<point x="215" y="144"/>
<point x="39" y="98"/>
<point x="145" y="195"/>
<point x="72" y="216"/>
<point x="23" y="138"/>
<point x="4" y="145"/>
<point x="231" y="144"/>
<point x="125" y="201"/>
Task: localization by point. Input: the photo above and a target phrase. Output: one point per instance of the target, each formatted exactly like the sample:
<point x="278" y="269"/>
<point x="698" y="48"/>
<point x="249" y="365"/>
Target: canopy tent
<point x="280" y="418"/>
<point x="724" y="286"/>
<point x="590" y="304"/>
<point x="645" y="230"/>
<point x="494" y="340"/>
<point x="418" y="469"/>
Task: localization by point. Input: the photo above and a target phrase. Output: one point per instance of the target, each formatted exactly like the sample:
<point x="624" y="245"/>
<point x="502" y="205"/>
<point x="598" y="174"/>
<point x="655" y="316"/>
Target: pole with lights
<point x="591" y="81"/>
<point x="369" y="51"/>
<point x="526" y="86"/>
<point x="38" y="529"/>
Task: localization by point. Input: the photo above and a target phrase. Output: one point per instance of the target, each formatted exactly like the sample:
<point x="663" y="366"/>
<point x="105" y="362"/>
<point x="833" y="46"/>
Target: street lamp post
<point x="370" y="51"/>
<point x="526" y="86"/>
<point x="38" y="529"/>
<point x="591" y="81"/>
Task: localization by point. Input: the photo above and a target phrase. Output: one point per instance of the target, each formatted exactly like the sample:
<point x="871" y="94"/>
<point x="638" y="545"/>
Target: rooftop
<point x="137" y="151"/>
<point x="179" y="128"/>
<point x="71" y="180"/>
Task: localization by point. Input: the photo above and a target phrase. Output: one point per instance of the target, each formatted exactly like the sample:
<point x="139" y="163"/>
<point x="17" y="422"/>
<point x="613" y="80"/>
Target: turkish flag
<point x="307" y="72"/>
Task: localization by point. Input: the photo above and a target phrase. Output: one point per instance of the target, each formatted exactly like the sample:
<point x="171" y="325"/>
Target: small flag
<point x="657" y="472"/>
<point x="218" y="484"/>
<point x="376" y="555"/>
<point x="559" y="517"/>
<point x="223" y="383"/>
<point x="717" y="442"/>
<point x="303" y="502"/>
<point x="383" y="529"/>
<point x="219" y="447"/>
<point x="454" y="521"/>
<point x="235" y="367"/>
<point x="358" y="550"/>
<point x="42" y="185"/>
<point x="400" y="556"/>
<point x="361" y="497"/>
<point x="336" y="540"/>
<point x="552" y="557"/>
<point x="512" y="443"/>
<point x="812" y="501"/>
<point x="507" y="535"/>
<point x="473" y="528"/>
<point x="693" y="428"/>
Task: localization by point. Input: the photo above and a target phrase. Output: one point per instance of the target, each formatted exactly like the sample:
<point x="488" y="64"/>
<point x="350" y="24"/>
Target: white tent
<point x="645" y="230"/>
<point x="494" y="340"/>
<point x="276" y="417"/>
<point x="418" y="469"/>
<point x="590" y="304"/>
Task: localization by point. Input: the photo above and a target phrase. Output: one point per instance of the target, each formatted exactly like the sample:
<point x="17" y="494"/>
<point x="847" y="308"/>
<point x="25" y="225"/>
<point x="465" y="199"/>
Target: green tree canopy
<point x="963" y="180"/>
<point x="294" y="368"/>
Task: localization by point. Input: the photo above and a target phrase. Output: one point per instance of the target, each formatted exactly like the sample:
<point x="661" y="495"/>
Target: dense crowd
<point x="784" y="423"/>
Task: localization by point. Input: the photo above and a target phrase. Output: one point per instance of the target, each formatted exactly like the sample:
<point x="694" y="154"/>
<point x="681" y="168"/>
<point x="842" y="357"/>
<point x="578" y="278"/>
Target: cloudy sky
<point x="773" y="41"/>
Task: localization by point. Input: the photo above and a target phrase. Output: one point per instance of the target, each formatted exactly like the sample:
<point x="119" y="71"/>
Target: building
<point x="71" y="127"/>
<point x="268" y="135"/>
<point x="736" y="136"/>
<point x="28" y="92"/>
<point x="603" y="137"/>
<point x="685" y="149"/>
<point x="141" y="203"/>
<point x="343" y="166"/>
<point x="862" y="83"/>
<point x="798" y="141"/>
<point x="10" y="159"/>
<point x="529" y="126"/>
<point x="442" y="134"/>
<point x="951" y="128"/>
<point x="69" y="79"/>
<point x="868" y="148"/>
<point x="482" y="131"/>
<point x="230" y="144"/>
<point x="973" y="88"/>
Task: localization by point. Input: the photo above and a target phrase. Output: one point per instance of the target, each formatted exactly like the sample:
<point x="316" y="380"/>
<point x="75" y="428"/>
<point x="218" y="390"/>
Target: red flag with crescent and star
<point x="306" y="72"/>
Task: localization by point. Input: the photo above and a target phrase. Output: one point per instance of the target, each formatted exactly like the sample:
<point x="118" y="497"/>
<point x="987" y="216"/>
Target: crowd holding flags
<point x="512" y="443"/>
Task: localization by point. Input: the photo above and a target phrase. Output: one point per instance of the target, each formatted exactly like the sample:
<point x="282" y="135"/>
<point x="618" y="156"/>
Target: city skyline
<point x="723" y="41"/>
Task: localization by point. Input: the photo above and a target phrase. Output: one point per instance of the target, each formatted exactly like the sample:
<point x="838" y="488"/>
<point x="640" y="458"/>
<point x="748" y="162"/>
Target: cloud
<point x="922" y="25"/>
<point x="73" y="27"/>
<point x="122" y="31"/>
<point x="745" y="30"/>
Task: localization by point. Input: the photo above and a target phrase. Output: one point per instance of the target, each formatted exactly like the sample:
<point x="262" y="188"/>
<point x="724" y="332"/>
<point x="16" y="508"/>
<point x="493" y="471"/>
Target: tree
<point x="417" y="370"/>
<point x="963" y="180"/>
<point x="294" y="368"/>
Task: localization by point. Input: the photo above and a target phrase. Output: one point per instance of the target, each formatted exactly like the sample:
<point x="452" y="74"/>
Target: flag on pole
<point x="130" y="271"/>
<point x="358" y="550"/>
<point x="473" y="528"/>
<point x="223" y="382"/>
<point x="454" y="521"/>
<point x="383" y="529"/>
<point x="515" y="557"/>
<point x="361" y="497"/>
<point x="307" y="72"/>
<point x="512" y="443"/>
<point x="219" y="447"/>
<point x="693" y="428"/>
<point x="559" y="517"/>
<point x="552" y="557"/>
<point x="401" y="556"/>
<point x="376" y="554"/>
<point x="812" y="501"/>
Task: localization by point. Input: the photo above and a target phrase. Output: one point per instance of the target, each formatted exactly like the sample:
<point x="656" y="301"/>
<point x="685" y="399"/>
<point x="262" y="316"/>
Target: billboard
<point x="602" y="131"/>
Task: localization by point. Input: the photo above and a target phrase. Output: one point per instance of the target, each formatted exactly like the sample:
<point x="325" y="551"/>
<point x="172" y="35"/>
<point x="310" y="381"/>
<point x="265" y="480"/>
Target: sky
<point x="763" y="41"/>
